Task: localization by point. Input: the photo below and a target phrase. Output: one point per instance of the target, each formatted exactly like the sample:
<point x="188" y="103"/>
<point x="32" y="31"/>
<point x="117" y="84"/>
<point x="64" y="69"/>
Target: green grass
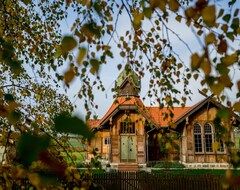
<point x="78" y="157"/>
<point x="195" y="172"/>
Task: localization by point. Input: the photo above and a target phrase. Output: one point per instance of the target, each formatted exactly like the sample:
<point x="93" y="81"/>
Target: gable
<point x="205" y="110"/>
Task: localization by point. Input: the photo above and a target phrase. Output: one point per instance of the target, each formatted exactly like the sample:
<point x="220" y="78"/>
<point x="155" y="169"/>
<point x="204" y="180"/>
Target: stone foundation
<point x="206" y="165"/>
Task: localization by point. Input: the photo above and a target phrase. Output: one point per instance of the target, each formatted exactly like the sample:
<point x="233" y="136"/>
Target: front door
<point x="128" y="148"/>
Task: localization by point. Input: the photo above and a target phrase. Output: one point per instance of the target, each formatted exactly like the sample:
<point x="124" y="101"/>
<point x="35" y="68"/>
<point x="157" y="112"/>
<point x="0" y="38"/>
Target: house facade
<point x="131" y="132"/>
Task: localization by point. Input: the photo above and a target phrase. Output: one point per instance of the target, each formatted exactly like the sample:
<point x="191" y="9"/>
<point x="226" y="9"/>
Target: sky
<point x="109" y="72"/>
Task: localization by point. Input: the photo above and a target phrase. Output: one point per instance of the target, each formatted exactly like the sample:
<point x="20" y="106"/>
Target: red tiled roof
<point x="153" y="113"/>
<point x="92" y="123"/>
<point x="158" y="115"/>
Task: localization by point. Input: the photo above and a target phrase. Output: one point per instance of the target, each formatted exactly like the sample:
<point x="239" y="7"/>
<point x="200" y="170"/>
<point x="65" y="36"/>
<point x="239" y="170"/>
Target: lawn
<point x="78" y="154"/>
<point x="194" y="171"/>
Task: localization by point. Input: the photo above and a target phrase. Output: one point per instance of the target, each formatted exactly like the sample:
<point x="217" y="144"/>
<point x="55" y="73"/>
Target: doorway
<point x="128" y="149"/>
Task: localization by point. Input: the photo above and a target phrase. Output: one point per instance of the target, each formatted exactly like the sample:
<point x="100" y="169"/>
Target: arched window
<point x="208" y="137"/>
<point x="197" y="138"/>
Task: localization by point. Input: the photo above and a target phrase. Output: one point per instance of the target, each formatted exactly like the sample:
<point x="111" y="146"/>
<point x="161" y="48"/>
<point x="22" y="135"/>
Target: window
<point x="127" y="127"/>
<point x="107" y="141"/>
<point x="197" y="138"/>
<point x="208" y="137"/>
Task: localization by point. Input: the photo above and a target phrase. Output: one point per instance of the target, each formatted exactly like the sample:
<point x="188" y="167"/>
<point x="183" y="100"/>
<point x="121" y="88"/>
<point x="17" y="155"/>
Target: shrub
<point x="169" y="165"/>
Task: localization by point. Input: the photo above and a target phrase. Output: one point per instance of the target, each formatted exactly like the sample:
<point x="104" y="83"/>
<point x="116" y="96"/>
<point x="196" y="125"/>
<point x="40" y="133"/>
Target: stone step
<point x="128" y="167"/>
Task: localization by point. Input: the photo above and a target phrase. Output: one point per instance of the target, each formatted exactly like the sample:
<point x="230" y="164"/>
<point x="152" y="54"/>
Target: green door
<point x="128" y="148"/>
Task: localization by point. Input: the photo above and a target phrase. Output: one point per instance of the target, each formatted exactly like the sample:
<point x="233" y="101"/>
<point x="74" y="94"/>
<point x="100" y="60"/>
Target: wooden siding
<point x="188" y="155"/>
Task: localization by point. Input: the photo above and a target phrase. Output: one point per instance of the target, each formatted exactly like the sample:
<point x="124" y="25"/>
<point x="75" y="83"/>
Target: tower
<point x="128" y="83"/>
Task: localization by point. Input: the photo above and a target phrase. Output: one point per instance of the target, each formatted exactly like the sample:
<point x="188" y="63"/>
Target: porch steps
<point x="128" y="167"/>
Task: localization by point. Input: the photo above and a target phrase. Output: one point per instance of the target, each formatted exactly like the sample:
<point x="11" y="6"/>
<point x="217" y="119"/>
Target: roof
<point x="121" y="103"/>
<point x="128" y="74"/>
<point x="154" y="114"/>
<point x="159" y="117"/>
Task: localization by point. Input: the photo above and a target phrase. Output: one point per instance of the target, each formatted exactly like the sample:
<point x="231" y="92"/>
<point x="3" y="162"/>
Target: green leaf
<point x="147" y="11"/>
<point x="26" y="2"/>
<point x="223" y="114"/>
<point x="68" y="44"/>
<point x="29" y="147"/>
<point x="8" y="97"/>
<point x="95" y="65"/>
<point x="91" y="30"/>
<point x="226" y="17"/>
<point x="14" y="116"/>
<point x="73" y="125"/>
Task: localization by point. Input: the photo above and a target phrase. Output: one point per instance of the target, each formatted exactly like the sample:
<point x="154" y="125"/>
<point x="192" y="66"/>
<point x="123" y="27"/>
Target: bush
<point x="169" y="165"/>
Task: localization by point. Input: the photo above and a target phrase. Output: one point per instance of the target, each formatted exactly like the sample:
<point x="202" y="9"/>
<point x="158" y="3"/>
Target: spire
<point x="128" y="83"/>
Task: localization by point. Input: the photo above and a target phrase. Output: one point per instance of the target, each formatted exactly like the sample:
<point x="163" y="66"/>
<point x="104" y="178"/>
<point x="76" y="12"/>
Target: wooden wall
<point x="116" y="136"/>
<point x="188" y="154"/>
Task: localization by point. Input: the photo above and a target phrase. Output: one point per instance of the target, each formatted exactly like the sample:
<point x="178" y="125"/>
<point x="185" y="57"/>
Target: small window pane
<point x="208" y="137"/>
<point x="197" y="138"/>
<point x="107" y="141"/>
<point x="127" y="127"/>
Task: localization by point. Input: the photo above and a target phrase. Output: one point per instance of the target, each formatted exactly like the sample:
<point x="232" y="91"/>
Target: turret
<point x="128" y="83"/>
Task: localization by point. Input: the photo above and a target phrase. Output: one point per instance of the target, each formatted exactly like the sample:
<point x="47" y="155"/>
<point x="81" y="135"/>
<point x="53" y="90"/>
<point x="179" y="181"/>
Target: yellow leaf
<point x="34" y="179"/>
<point x="162" y="5"/>
<point x="230" y="59"/>
<point x="217" y="88"/>
<point x="159" y="136"/>
<point x="225" y="79"/>
<point x="190" y="12"/>
<point x="224" y="28"/>
<point x="210" y="38"/>
<point x="215" y="146"/>
<point x="168" y="99"/>
<point x="68" y="76"/>
<point x="168" y="145"/>
<point x="236" y="106"/>
<point x="178" y="18"/>
<point x="195" y="61"/>
<point x="173" y="5"/>
<point x="81" y="54"/>
<point x="77" y="176"/>
<point x="206" y="66"/>
<point x="209" y="15"/>
<point x="138" y="17"/>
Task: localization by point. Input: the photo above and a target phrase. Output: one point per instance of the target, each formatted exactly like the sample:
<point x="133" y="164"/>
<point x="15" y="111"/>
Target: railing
<point x="148" y="181"/>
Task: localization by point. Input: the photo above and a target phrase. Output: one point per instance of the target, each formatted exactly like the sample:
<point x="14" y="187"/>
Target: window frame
<point x="107" y="141"/>
<point x="198" y="134"/>
<point x="127" y="128"/>
<point x="208" y="138"/>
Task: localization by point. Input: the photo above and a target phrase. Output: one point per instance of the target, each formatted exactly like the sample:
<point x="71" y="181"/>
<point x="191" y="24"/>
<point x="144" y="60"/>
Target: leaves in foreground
<point x="72" y="125"/>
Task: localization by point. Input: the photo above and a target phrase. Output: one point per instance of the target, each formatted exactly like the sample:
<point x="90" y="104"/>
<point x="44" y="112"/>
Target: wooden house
<point x="131" y="132"/>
